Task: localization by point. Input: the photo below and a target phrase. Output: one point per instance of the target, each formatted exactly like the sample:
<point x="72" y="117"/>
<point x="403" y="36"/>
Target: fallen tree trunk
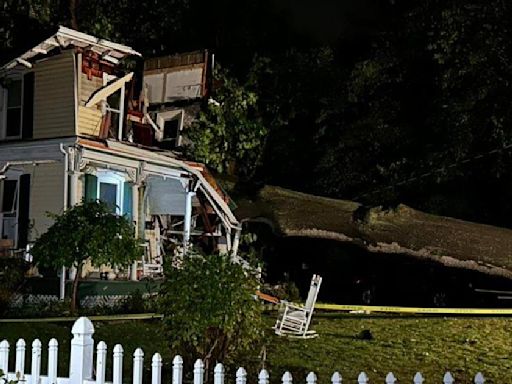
<point x="401" y="230"/>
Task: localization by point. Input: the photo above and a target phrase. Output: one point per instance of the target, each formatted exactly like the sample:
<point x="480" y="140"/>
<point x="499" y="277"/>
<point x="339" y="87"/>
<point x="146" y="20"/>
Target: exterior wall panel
<point x="88" y="87"/>
<point x="46" y="195"/>
<point x="54" y="97"/>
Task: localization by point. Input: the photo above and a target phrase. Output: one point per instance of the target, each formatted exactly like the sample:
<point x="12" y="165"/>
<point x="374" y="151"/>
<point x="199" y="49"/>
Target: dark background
<point x="376" y="101"/>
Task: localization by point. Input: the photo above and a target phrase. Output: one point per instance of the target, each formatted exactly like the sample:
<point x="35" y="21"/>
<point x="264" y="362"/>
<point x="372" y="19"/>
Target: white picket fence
<point x="81" y="365"/>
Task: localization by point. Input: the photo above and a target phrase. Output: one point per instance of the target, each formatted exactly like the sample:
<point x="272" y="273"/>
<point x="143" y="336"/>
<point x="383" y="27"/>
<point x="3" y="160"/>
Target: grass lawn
<point x="404" y="345"/>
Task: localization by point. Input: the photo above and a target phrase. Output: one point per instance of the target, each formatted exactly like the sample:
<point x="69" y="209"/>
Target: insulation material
<point x="184" y="84"/>
<point x="165" y="196"/>
<point x="155" y="84"/>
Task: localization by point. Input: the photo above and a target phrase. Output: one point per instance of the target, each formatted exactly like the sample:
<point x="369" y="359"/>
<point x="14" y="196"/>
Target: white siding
<point x="46" y="195"/>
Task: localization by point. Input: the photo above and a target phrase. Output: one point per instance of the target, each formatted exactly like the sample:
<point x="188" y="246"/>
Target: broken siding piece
<point x="89" y="121"/>
<point x="88" y="87"/>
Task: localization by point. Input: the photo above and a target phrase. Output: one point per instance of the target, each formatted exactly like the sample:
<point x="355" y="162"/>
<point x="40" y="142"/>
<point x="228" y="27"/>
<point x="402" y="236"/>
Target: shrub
<point x="87" y="231"/>
<point x="210" y="309"/>
<point x="12" y="276"/>
<point x="287" y="290"/>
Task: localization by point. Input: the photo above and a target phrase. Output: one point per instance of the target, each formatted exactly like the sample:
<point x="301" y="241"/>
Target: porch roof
<point x="167" y="159"/>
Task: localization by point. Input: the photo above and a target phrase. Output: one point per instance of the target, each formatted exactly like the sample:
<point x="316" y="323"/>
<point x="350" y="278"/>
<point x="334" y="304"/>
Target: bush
<point x="38" y="310"/>
<point x="12" y="276"/>
<point x="210" y="309"/>
<point x="87" y="231"/>
<point x="3" y="379"/>
<point x="287" y="290"/>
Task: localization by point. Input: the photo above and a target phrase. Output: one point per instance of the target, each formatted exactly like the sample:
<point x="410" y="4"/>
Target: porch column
<point x="73" y="200"/>
<point x="236" y="242"/>
<point x="188" y="219"/>
<point x="137" y="218"/>
<point x="73" y="189"/>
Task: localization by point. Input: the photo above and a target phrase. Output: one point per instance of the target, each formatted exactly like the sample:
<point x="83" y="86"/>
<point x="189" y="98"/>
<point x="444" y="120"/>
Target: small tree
<point x="210" y="309"/>
<point x="88" y="231"/>
<point x="231" y="131"/>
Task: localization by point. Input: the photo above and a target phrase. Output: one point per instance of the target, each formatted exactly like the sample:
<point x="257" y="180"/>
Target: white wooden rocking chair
<point x="295" y="320"/>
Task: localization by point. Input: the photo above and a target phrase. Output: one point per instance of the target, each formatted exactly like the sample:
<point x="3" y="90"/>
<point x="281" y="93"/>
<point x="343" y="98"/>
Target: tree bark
<point x="400" y="230"/>
<point x="74" y="295"/>
<point x="73" y="13"/>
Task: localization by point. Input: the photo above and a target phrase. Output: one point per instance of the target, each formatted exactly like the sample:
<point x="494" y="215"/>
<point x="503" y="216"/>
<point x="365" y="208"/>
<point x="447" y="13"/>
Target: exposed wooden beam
<point x="107" y="90"/>
<point x="60" y="41"/>
<point x="110" y="59"/>
<point x="24" y="62"/>
<point x="53" y="41"/>
<point x="39" y="50"/>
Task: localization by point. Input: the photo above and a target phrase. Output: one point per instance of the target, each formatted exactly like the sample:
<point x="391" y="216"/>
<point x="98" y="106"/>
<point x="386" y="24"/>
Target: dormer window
<point x="171" y="125"/>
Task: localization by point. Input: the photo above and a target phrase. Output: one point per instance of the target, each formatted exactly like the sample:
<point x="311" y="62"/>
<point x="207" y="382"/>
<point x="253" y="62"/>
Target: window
<point x="17" y="107"/>
<point x="115" y="105"/>
<point x="8" y="212"/>
<point x="108" y="193"/>
<point x="171" y="129"/>
<point x="110" y="188"/>
<point x="170" y="123"/>
<point x="14" y="106"/>
<point x="9" y="195"/>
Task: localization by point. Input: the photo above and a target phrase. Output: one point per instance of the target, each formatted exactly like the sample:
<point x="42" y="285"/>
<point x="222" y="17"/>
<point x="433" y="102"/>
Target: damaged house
<point x="175" y="87"/>
<point x="72" y="127"/>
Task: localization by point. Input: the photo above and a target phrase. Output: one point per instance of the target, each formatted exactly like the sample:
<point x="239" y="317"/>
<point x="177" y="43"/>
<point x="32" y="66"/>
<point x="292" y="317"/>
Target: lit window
<point x="110" y="190"/>
<point x="108" y="194"/>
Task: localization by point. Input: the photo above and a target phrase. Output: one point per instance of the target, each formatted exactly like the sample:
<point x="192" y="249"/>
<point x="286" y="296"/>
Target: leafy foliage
<point x="209" y="307"/>
<point x="3" y="378"/>
<point x="424" y="114"/>
<point x="12" y="275"/>
<point x="230" y="133"/>
<point x="88" y="231"/>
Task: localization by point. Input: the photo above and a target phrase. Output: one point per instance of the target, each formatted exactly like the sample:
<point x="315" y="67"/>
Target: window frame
<point x="108" y="177"/>
<point x="5" y="107"/>
<point x="15" y="175"/>
<point x="176" y="114"/>
<point x="14" y="207"/>
<point x="107" y="78"/>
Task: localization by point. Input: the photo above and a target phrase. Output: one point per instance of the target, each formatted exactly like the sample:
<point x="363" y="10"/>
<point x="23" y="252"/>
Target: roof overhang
<point x="65" y="38"/>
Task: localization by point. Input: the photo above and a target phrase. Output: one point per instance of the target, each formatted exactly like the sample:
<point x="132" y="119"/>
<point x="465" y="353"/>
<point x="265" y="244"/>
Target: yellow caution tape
<point x="137" y="316"/>
<point x="440" y="311"/>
